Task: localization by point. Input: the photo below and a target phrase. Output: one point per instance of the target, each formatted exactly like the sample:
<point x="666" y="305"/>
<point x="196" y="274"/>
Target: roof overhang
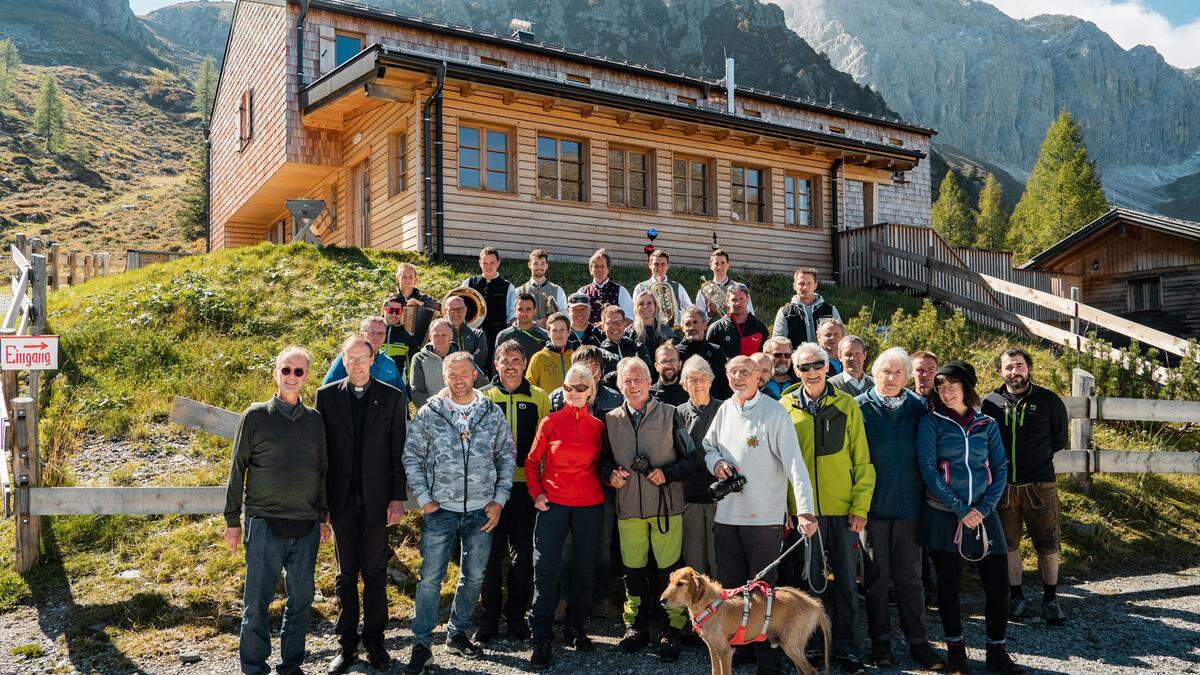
<point x="1112" y="219"/>
<point x="348" y="90"/>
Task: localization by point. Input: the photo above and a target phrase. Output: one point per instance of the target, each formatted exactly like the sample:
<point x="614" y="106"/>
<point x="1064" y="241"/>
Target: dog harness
<point x="747" y="591"/>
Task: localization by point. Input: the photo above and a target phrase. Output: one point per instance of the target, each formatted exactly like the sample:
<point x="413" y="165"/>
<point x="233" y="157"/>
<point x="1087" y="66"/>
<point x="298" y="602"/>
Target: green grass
<point x="208" y="327"/>
<point x="29" y="651"/>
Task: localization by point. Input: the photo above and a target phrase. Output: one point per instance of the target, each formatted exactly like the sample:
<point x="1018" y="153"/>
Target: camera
<point x="723" y="488"/>
<point x="641" y="465"/>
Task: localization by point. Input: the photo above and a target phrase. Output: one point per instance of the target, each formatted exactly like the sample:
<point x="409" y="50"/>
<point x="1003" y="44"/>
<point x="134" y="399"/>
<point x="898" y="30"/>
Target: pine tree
<point x="206" y="88"/>
<point x="50" y="118"/>
<point x="991" y="227"/>
<point x="10" y="59"/>
<point x="1063" y="192"/>
<point x="952" y="216"/>
<point x="192" y="216"/>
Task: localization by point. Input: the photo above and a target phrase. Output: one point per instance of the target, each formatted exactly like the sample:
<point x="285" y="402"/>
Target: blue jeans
<point x="440" y="531"/>
<point x="266" y="557"/>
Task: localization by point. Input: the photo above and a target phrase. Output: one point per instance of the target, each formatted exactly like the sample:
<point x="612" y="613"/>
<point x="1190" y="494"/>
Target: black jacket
<point x="716" y="360"/>
<point x="695" y="487"/>
<point x="383" y="447"/>
<point x="724" y="334"/>
<point x="674" y="394"/>
<point x="1033" y="427"/>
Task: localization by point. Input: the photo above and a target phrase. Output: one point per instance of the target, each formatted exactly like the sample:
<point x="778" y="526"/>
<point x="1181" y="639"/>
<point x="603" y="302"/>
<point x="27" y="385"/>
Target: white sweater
<point x="761" y="442"/>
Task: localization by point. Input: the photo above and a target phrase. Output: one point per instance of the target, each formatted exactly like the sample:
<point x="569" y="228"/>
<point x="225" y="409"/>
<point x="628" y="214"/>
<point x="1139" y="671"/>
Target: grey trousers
<point x="893" y="554"/>
<point x="841" y="596"/>
<point x="699" y="543"/>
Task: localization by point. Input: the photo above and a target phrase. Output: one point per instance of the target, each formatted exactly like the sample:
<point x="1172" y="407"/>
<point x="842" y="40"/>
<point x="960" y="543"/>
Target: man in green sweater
<point x="277" y="477"/>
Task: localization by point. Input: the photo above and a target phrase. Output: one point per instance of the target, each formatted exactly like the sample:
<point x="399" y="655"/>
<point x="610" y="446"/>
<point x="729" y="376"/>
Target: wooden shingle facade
<point x="537" y="147"/>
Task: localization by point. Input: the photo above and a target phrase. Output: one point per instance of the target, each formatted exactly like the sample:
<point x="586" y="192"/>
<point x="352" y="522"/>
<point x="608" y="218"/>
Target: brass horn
<point x="476" y="306"/>
<point x="714" y="299"/>
<point x="665" y="295"/>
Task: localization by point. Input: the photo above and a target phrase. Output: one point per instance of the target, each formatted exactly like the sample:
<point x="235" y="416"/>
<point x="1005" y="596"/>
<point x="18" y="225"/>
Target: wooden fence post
<point x="104" y="267"/>
<point x="22" y="243"/>
<point x="8" y="381"/>
<point x="1083" y="384"/>
<point x="73" y="267"/>
<point x="131" y="261"/>
<point x="26" y="475"/>
<point x="89" y="266"/>
<point x="1076" y="327"/>
<point x="54" y="277"/>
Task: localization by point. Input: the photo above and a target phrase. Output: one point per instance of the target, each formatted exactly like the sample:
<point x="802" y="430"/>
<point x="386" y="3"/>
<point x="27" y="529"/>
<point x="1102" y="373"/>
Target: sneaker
<point x="1053" y="613"/>
<point x="420" y="657"/>
<point x="668" y="645"/>
<point x="486" y="633"/>
<point x="341" y="663"/>
<point x="848" y="663"/>
<point x="633" y="640"/>
<point x="881" y="654"/>
<point x="956" y="658"/>
<point x="1017" y="607"/>
<point x="925" y="656"/>
<point x="517" y="630"/>
<point x="462" y="646"/>
<point x="543" y="655"/>
<point x="998" y="660"/>
<point x="577" y="639"/>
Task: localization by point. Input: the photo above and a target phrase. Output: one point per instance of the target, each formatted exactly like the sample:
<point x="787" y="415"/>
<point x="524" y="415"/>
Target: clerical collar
<point x="358" y="391"/>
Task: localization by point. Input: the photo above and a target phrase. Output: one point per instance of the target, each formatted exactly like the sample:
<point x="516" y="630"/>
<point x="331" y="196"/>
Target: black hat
<point x="578" y="299"/>
<point x="961" y="371"/>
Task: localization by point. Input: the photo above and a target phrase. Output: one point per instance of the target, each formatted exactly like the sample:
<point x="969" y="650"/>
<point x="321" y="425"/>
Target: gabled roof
<point x="1116" y="215"/>
<point x="556" y="51"/>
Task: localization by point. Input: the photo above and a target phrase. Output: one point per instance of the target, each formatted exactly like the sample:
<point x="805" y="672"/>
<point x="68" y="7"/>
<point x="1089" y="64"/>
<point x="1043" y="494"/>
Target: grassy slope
<point x="208" y="327"/>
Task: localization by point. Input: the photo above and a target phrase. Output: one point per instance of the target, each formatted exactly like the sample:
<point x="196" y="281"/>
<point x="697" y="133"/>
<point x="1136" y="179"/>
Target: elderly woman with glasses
<point x="561" y="473"/>
<point x="891" y="414"/>
<point x="699" y="508"/>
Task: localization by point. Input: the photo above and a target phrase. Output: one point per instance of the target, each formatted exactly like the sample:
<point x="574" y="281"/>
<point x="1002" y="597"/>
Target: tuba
<point x="714" y="299"/>
<point x="476" y="306"/>
<point x="664" y="295"/>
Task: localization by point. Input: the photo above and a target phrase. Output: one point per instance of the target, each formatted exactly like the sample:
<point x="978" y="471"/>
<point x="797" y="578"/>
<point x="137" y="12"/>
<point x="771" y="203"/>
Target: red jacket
<point x="565" y="457"/>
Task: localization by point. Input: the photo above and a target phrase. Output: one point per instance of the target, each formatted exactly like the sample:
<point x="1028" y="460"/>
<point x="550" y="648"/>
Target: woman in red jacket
<point x="561" y="474"/>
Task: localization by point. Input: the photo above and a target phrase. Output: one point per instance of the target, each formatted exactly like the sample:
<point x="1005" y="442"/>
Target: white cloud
<point x="1129" y="22"/>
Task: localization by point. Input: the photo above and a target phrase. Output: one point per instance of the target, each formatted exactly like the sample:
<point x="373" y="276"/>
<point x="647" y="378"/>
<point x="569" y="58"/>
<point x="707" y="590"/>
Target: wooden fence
<point x="136" y="258"/>
<point x="63" y="267"/>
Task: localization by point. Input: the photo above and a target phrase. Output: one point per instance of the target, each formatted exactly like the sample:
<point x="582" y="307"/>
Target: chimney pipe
<point x="729" y="86"/>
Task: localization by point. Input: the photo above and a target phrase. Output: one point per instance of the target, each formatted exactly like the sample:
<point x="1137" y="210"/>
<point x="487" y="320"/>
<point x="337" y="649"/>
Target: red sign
<point x="32" y="352"/>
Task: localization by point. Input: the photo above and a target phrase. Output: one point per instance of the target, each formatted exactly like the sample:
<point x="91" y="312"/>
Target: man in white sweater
<point x="752" y="435"/>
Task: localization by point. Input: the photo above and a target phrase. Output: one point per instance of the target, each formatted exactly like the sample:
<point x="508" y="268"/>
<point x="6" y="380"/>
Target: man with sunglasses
<point x="829" y="425"/>
<point x="365" y="424"/>
<point x="779" y="349"/>
<point x="383" y="368"/>
<point x="277" y="478"/>
<point x="398" y="343"/>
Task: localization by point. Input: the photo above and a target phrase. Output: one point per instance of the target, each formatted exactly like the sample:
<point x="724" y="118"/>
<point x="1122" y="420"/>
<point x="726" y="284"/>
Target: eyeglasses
<point x="782" y="355"/>
<point x="741" y="372"/>
<point x="811" y="366"/>
<point x="288" y="370"/>
<point x="581" y="388"/>
<point x="393" y="310"/>
<point x="356" y="359"/>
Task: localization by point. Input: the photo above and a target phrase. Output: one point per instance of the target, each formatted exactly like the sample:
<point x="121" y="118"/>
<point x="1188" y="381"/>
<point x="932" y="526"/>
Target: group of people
<point x="550" y="449"/>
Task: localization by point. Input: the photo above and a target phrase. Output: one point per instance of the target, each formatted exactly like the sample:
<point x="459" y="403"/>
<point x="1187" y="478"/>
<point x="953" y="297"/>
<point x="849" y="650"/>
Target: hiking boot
<point x="1053" y="613"/>
<point x="341" y="663"/>
<point x="543" y="655"/>
<point x="925" y="656"/>
<point x="881" y="655"/>
<point x="418" y="660"/>
<point x="378" y="657"/>
<point x="487" y="632"/>
<point x="998" y="660"/>
<point x="517" y="630"/>
<point x="1017" y="607"/>
<point x="848" y="663"/>
<point x="461" y="645"/>
<point x="956" y="658"/>
<point x="577" y="639"/>
<point x="668" y="645"/>
<point x="633" y="640"/>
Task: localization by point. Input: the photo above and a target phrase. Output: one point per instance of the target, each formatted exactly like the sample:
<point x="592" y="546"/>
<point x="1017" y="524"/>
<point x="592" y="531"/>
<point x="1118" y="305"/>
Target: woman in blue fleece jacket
<point x="963" y="466"/>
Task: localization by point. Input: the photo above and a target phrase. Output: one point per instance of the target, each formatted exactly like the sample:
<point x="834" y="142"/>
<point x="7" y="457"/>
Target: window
<point x="489" y="61"/>
<point x="560" y="169"/>
<point x="397" y="163"/>
<point x="690" y="185"/>
<point x="346" y="47"/>
<point x="484" y="159"/>
<point x="750" y="112"/>
<point x="837" y="130"/>
<point x="798" y="200"/>
<point x="1144" y="294"/>
<point x="246" y="118"/>
<point x="578" y="79"/>
<point x="749" y="194"/>
<point x="629" y="178"/>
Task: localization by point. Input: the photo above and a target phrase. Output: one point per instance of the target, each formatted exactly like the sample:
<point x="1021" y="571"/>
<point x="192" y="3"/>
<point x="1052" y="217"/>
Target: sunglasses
<point x="288" y="370"/>
<point x="393" y="310"/>
<point x="581" y="388"/>
<point x="811" y="366"/>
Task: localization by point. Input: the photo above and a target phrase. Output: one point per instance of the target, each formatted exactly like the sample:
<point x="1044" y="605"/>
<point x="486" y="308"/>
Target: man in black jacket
<point x="365" y="424"/>
<point x="738" y="333"/>
<point x="499" y="296"/>
<point x="694" y="343"/>
<point x="1033" y="426"/>
<point x="668" y="389"/>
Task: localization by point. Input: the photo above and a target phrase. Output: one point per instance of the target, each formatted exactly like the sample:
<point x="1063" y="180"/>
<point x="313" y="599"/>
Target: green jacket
<point x="524" y="408"/>
<point x="835" y="451"/>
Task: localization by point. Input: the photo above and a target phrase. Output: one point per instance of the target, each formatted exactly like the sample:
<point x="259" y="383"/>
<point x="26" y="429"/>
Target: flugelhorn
<point x="476" y="306"/>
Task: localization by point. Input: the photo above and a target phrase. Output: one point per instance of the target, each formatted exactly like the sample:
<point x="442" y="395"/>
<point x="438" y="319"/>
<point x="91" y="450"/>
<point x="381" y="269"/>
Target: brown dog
<point x="794" y="617"/>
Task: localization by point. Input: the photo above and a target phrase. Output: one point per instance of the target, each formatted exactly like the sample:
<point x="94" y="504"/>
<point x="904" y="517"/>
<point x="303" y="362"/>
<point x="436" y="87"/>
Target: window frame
<point x="764" y="192"/>
<point x="584" y="149"/>
<point x="813" y="199"/>
<point x="483" y="128"/>
<point x="710" y="185"/>
<point x="1138" y="287"/>
<point x="649" y="173"/>
<point x="350" y="35"/>
<point x="397" y="162"/>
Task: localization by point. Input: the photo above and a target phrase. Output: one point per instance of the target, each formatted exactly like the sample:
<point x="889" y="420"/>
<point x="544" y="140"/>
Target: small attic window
<point x="496" y="63"/>
<point x="896" y="141"/>
<point x="579" y="79"/>
<point x="837" y="130"/>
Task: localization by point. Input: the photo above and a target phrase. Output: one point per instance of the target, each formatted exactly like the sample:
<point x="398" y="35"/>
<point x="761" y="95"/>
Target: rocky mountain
<point x="992" y="84"/>
<point x="95" y="33"/>
<point x="194" y="29"/>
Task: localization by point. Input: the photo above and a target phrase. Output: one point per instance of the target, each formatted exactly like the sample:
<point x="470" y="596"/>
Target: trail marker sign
<point x="29" y="352"/>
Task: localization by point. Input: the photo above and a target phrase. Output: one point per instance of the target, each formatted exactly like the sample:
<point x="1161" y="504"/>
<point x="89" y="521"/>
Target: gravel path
<point x="1148" y="623"/>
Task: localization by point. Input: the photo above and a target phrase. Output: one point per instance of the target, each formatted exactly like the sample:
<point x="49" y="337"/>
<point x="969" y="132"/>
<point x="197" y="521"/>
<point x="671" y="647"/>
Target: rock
<point x="318" y="597"/>
<point x="21" y="160"/>
<point x="130" y="574"/>
<point x="128" y="207"/>
<point x="399" y="576"/>
<point x="1084" y="529"/>
<point x="189" y="658"/>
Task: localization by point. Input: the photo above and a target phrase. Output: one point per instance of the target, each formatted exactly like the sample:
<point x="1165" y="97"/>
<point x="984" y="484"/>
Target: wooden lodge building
<point x="424" y="136"/>
<point x="1139" y="266"/>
